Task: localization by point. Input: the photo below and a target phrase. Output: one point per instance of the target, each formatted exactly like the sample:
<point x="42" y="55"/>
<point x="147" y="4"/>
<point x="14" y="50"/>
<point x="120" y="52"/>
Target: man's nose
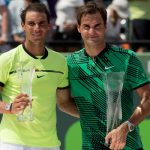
<point x="37" y="26"/>
<point x="91" y="30"/>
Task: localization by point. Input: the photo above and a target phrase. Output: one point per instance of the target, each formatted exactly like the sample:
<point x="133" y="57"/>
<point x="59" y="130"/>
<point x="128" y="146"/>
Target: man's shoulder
<point x="11" y="53"/>
<point x="119" y="49"/>
<point x="55" y="54"/>
<point x="76" y="54"/>
<point x="8" y="59"/>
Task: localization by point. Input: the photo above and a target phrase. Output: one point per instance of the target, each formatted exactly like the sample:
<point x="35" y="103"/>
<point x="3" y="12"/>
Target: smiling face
<point x="92" y="29"/>
<point x="36" y="27"/>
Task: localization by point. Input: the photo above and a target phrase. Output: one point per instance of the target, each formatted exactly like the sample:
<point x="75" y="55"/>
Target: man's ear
<point x="22" y="24"/>
<point x="78" y="28"/>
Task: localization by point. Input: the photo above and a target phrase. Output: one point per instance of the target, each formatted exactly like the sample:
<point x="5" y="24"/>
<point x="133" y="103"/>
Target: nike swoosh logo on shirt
<point x="109" y="67"/>
<point x="40" y="76"/>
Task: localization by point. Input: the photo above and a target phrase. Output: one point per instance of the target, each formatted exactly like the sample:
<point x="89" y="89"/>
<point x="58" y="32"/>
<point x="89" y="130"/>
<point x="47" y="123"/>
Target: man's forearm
<point x="66" y="103"/>
<point x="70" y="108"/>
<point x="141" y="111"/>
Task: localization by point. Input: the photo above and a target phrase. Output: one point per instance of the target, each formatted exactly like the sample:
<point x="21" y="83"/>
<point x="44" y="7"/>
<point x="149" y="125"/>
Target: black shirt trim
<point x="43" y="57"/>
<point x="61" y="88"/>
<point x="148" y="82"/>
<point x="2" y="84"/>
<point x="107" y="47"/>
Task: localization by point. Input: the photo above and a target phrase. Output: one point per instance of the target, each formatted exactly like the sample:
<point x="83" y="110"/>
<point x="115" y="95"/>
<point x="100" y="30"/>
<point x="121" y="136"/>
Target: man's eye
<point x="97" y="27"/>
<point x="86" y="28"/>
<point x="31" y="23"/>
<point x="42" y="24"/>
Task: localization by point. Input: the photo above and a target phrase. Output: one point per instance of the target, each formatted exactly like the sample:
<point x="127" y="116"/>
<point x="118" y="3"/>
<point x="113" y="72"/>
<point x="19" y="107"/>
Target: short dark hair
<point x="91" y="8"/>
<point x="37" y="7"/>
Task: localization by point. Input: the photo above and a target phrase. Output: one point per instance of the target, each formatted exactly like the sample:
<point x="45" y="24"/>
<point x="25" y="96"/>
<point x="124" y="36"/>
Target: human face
<point x="92" y="29"/>
<point x="36" y="27"/>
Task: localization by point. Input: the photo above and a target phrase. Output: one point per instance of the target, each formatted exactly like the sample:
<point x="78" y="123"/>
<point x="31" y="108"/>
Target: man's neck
<point x="35" y="49"/>
<point x="94" y="50"/>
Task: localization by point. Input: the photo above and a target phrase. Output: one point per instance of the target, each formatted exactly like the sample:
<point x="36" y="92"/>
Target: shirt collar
<point x="107" y="47"/>
<point x="43" y="57"/>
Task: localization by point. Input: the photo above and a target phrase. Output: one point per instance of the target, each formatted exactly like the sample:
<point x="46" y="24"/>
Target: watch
<point x="8" y="106"/>
<point x="130" y="126"/>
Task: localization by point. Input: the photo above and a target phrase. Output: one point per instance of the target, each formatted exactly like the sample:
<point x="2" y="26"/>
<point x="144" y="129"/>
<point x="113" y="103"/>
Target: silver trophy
<point x="25" y="76"/>
<point x="113" y="86"/>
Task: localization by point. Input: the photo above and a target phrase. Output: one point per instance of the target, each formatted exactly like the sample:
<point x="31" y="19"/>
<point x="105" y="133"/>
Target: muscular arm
<point x="66" y="103"/>
<point x="118" y="135"/>
<point x="143" y="109"/>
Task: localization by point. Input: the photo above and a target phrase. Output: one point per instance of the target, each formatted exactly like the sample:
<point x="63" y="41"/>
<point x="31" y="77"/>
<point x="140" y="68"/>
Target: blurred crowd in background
<point x="127" y="25"/>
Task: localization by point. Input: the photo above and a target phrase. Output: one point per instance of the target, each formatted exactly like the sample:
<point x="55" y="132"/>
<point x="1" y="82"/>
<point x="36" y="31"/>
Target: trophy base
<point x="22" y="117"/>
